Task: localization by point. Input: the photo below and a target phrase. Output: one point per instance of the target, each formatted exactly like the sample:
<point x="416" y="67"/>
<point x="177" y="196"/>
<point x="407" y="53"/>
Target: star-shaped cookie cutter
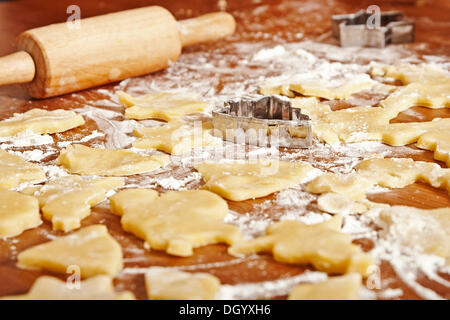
<point x="268" y="121"/>
<point x="358" y="30"/>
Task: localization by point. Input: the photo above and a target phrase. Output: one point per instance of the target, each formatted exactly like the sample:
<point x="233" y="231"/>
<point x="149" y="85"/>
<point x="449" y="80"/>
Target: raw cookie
<point x="18" y="212"/>
<point x="40" y="121"/>
<point x="65" y="201"/>
<point x="175" y="137"/>
<point x="80" y="159"/>
<point x="339" y="204"/>
<point x="410" y="73"/>
<point x="91" y="249"/>
<point x="239" y="181"/>
<point x="163" y="105"/>
<point x="436" y="141"/>
<point x="337" y="288"/>
<point x="167" y="284"/>
<point x="321" y="245"/>
<point x="14" y="170"/>
<point x="95" y="288"/>
<point x="176" y="221"/>
<point x="426" y="230"/>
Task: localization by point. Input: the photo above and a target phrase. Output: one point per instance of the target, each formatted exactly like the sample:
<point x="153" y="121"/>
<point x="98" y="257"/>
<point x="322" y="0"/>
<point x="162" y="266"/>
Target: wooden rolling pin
<point x="56" y="59"/>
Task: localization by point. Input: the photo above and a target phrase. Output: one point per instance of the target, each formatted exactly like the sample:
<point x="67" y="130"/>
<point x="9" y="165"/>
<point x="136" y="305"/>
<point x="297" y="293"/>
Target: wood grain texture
<point x="16" y="67"/>
<point x="269" y="22"/>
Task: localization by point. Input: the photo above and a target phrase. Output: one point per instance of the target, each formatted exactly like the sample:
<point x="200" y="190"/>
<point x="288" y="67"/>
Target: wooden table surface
<point x="260" y="23"/>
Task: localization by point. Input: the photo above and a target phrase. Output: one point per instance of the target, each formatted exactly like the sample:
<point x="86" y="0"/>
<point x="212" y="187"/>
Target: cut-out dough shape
<point x="239" y="181"/>
<point x="90" y="249"/>
<point x="175" y="137"/>
<point x="18" y="212"/>
<point x="436" y="141"/>
<point x="390" y="172"/>
<point x="14" y="170"/>
<point x="163" y="105"/>
<point x="84" y="160"/>
<point x="321" y="245"/>
<point x="345" y="287"/>
<point x="175" y="221"/>
<point x="95" y="288"/>
<point x="338" y="204"/>
<point x="67" y="200"/>
<point x="425" y="229"/>
<point x="410" y="73"/>
<point x="40" y="121"/>
<point x="166" y="284"/>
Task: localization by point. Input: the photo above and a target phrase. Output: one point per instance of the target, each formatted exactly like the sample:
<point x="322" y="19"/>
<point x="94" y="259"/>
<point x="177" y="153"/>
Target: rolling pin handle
<point x="15" y="68"/>
<point x="208" y="27"/>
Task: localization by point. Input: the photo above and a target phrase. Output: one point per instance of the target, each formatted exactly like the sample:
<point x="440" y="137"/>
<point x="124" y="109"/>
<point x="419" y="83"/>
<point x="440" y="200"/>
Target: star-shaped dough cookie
<point x="321" y="245"/>
<point x="239" y="181"/>
<point x="80" y="159"/>
<point x="67" y="200"/>
<point x="167" y="284"/>
<point x="163" y="105"/>
<point x="175" y="221"/>
<point x="40" y="121"/>
<point x="95" y="288"/>
<point x="436" y="141"/>
<point x="14" y="170"/>
<point x="175" y="137"/>
<point x="91" y="249"/>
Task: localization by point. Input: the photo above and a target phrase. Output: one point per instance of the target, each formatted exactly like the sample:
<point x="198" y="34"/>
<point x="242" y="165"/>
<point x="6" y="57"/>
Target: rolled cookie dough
<point x="321" y="245"/>
<point x="40" y="121"/>
<point x="95" y="288"/>
<point x="84" y="160"/>
<point x="175" y="221"/>
<point x="14" y="170"/>
<point x="18" y="212"/>
<point x="90" y="249"/>
<point x="163" y="105"/>
<point x="337" y="288"/>
<point x="175" y="137"/>
<point x="166" y="284"/>
<point x="67" y="200"/>
<point x="239" y="181"/>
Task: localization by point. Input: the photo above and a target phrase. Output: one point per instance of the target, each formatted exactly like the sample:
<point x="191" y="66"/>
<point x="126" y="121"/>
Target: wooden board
<point x="261" y="25"/>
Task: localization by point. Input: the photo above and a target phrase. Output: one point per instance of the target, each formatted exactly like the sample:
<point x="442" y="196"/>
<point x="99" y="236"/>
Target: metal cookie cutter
<point x="353" y="30"/>
<point x="265" y="121"/>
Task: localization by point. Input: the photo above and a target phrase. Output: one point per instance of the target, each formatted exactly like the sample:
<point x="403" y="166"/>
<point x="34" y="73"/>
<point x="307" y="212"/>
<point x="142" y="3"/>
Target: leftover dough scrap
<point x="344" y="287"/>
<point x="14" y="170"/>
<point x="163" y="105"/>
<point x="175" y="137"/>
<point x="91" y="249"/>
<point x="322" y="245"/>
<point x="167" y="284"/>
<point x="65" y="201"/>
<point x="40" y="121"/>
<point x="239" y="181"/>
<point x="95" y="288"/>
<point x="18" y="212"/>
<point x="80" y="159"/>
<point x="425" y="229"/>
<point x="389" y="172"/>
<point x="175" y="221"/>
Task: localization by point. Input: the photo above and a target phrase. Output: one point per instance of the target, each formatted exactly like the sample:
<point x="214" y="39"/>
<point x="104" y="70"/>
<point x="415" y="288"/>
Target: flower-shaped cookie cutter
<point x="359" y="30"/>
<point x="268" y="121"/>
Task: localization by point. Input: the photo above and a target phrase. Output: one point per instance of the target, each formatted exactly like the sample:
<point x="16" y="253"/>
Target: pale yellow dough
<point x="175" y="221"/>
<point x="436" y="141"/>
<point x="337" y="288"/>
<point x="91" y="249"/>
<point x="322" y="245"/>
<point x="14" y="170"/>
<point x="425" y="229"/>
<point x="95" y="288"/>
<point x="389" y="172"/>
<point x="175" y="137"/>
<point x="166" y="284"/>
<point x="40" y="121"/>
<point x="65" y="201"/>
<point x="163" y="105"/>
<point x="84" y="160"/>
<point x="239" y="181"/>
<point x="18" y="212"/>
<point x="338" y="204"/>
